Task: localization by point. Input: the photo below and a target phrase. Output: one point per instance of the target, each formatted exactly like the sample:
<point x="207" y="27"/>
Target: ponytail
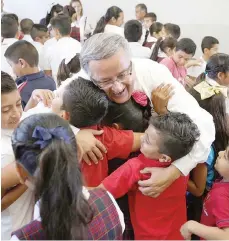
<point x="156" y="48"/>
<point x="64" y="210"/>
<point x="100" y="26"/>
<point x="201" y="78"/>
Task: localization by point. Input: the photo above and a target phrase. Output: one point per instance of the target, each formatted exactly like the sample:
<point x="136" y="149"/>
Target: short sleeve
<point x="221" y="209"/>
<point x="119" y="143"/>
<point x="123" y="179"/>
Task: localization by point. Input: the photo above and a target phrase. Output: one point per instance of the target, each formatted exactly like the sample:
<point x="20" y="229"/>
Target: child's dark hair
<point x="55" y="9"/>
<point x="186" y="45"/>
<point x="163" y="44"/>
<point x="8" y="85"/>
<point x="173" y="30"/>
<point x="130" y="115"/>
<point x="151" y="15"/>
<point x="69" y="10"/>
<point x="9" y="26"/>
<point x="111" y="12"/>
<point x="22" y="50"/>
<point x="62" y="23"/>
<point x="208" y="42"/>
<point x="64" y="210"/>
<point x="38" y="30"/>
<point x="14" y="16"/>
<point x="65" y="70"/>
<point x="216" y="64"/>
<point x="133" y="31"/>
<point x="178" y="134"/>
<point x="86" y="104"/>
<point x="142" y="6"/>
<point x="26" y="25"/>
<point x="155" y="28"/>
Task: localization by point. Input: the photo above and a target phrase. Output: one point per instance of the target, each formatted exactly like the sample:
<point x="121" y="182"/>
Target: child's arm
<point x="11" y="196"/>
<point x="197" y="182"/>
<point x="203" y="231"/>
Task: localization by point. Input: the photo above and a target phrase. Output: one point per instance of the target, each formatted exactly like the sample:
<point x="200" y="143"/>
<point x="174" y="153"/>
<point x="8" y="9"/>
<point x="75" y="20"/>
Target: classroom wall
<point x="197" y="18"/>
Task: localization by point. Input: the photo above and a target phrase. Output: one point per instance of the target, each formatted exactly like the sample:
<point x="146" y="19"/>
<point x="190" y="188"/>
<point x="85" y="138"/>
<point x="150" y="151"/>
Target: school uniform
<point x="4" y="64"/>
<point x="195" y="71"/>
<point x="28" y="83"/>
<point x="27" y="38"/>
<point x="178" y="72"/>
<point x="60" y="50"/>
<point x="149" y="75"/>
<point x="107" y="222"/>
<point x="138" y="51"/>
<point x="114" y="29"/>
<point x="118" y="143"/>
<point x="20" y="212"/>
<point x="150" y="43"/>
<point x="152" y="218"/>
<point x="39" y="47"/>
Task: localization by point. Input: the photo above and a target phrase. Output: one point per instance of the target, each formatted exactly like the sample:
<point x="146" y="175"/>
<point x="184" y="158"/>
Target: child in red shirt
<point x="168" y="137"/>
<point x="85" y="106"/>
<point x="215" y="214"/>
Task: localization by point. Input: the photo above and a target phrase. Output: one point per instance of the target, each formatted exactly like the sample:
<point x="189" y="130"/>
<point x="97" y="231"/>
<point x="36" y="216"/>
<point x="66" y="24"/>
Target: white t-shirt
<point x="4" y="64"/>
<point x="114" y="29"/>
<point x="138" y="51"/>
<point x="87" y="196"/>
<point x="150" y="75"/>
<point x="39" y="47"/>
<point x="195" y="71"/>
<point x="60" y="50"/>
<point x="28" y="38"/>
<point x="20" y="212"/>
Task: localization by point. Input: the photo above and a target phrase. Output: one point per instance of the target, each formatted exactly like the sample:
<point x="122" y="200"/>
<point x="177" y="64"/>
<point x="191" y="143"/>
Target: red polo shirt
<point x="152" y="218"/>
<point x="216" y="206"/>
<point x="119" y="144"/>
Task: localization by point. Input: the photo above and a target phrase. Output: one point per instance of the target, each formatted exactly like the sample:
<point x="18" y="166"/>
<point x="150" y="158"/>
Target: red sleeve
<point x="123" y="179"/>
<point x="119" y="143"/>
<point x="221" y="210"/>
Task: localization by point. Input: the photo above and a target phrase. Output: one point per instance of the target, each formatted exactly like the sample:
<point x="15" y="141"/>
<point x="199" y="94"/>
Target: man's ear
<point x="22" y="63"/>
<point x="22" y="174"/>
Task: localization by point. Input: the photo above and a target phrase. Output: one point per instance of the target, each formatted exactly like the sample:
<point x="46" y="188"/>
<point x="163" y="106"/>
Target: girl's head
<point x="55" y="10"/>
<point x="222" y="164"/>
<point x="77" y="5"/>
<point x="113" y="16"/>
<point x="67" y="68"/>
<point x="46" y="155"/>
<point x="217" y="68"/>
<point x="69" y="11"/>
<point x="156" y="30"/>
<point x="216" y="106"/>
<point x="166" y="46"/>
<point x="128" y="116"/>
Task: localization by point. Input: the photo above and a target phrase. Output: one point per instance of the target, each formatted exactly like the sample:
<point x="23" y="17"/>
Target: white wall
<point x="197" y="18"/>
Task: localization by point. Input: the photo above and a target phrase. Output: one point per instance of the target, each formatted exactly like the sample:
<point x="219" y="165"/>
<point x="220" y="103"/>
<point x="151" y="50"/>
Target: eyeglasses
<point x="106" y="84"/>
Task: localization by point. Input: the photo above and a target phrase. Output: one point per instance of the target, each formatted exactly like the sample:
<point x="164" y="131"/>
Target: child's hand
<point x="185" y="231"/>
<point x="46" y="96"/>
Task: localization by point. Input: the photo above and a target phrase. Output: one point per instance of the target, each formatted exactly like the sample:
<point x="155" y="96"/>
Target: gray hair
<point x="102" y="46"/>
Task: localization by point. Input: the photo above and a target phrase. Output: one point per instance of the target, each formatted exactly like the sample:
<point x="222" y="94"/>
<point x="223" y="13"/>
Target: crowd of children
<point x="111" y="132"/>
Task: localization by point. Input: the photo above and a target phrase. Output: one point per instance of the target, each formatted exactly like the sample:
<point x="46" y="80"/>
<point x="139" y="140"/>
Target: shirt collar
<point x="30" y="77"/>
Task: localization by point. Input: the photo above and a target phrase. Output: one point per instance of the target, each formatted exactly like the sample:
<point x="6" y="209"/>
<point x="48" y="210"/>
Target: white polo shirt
<point x="138" y="51"/>
<point x="114" y="29"/>
<point x="28" y="38"/>
<point x="60" y="50"/>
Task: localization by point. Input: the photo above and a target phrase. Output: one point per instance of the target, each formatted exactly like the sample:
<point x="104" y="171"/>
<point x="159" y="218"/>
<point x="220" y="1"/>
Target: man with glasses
<point x="106" y="59"/>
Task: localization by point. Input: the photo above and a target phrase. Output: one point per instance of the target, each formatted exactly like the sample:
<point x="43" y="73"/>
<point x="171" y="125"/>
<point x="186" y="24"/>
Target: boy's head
<point x="222" y="164"/>
<point x="156" y="30"/>
<point x="39" y="33"/>
<point x="169" y="137"/>
<point x="9" y="26"/>
<point x="209" y="46"/>
<point x="84" y="104"/>
<point x="26" y="25"/>
<point x="133" y="31"/>
<point x="140" y="11"/>
<point x="61" y="26"/>
<point x="172" y="30"/>
<point x="149" y="19"/>
<point x="11" y="107"/>
<point x="185" y="50"/>
<point x="22" y="56"/>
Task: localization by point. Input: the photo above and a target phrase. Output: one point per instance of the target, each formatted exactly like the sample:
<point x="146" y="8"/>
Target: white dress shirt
<point x="20" y="212"/>
<point x="114" y="29"/>
<point x="195" y="71"/>
<point x="60" y="50"/>
<point x="138" y="51"/>
<point x="87" y="196"/>
<point x="150" y="75"/>
<point x="28" y="38"/>
<point x="4" y="64"/>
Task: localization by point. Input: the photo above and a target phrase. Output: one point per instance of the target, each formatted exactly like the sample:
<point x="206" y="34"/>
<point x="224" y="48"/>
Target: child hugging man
<point x="168" y="138"/>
